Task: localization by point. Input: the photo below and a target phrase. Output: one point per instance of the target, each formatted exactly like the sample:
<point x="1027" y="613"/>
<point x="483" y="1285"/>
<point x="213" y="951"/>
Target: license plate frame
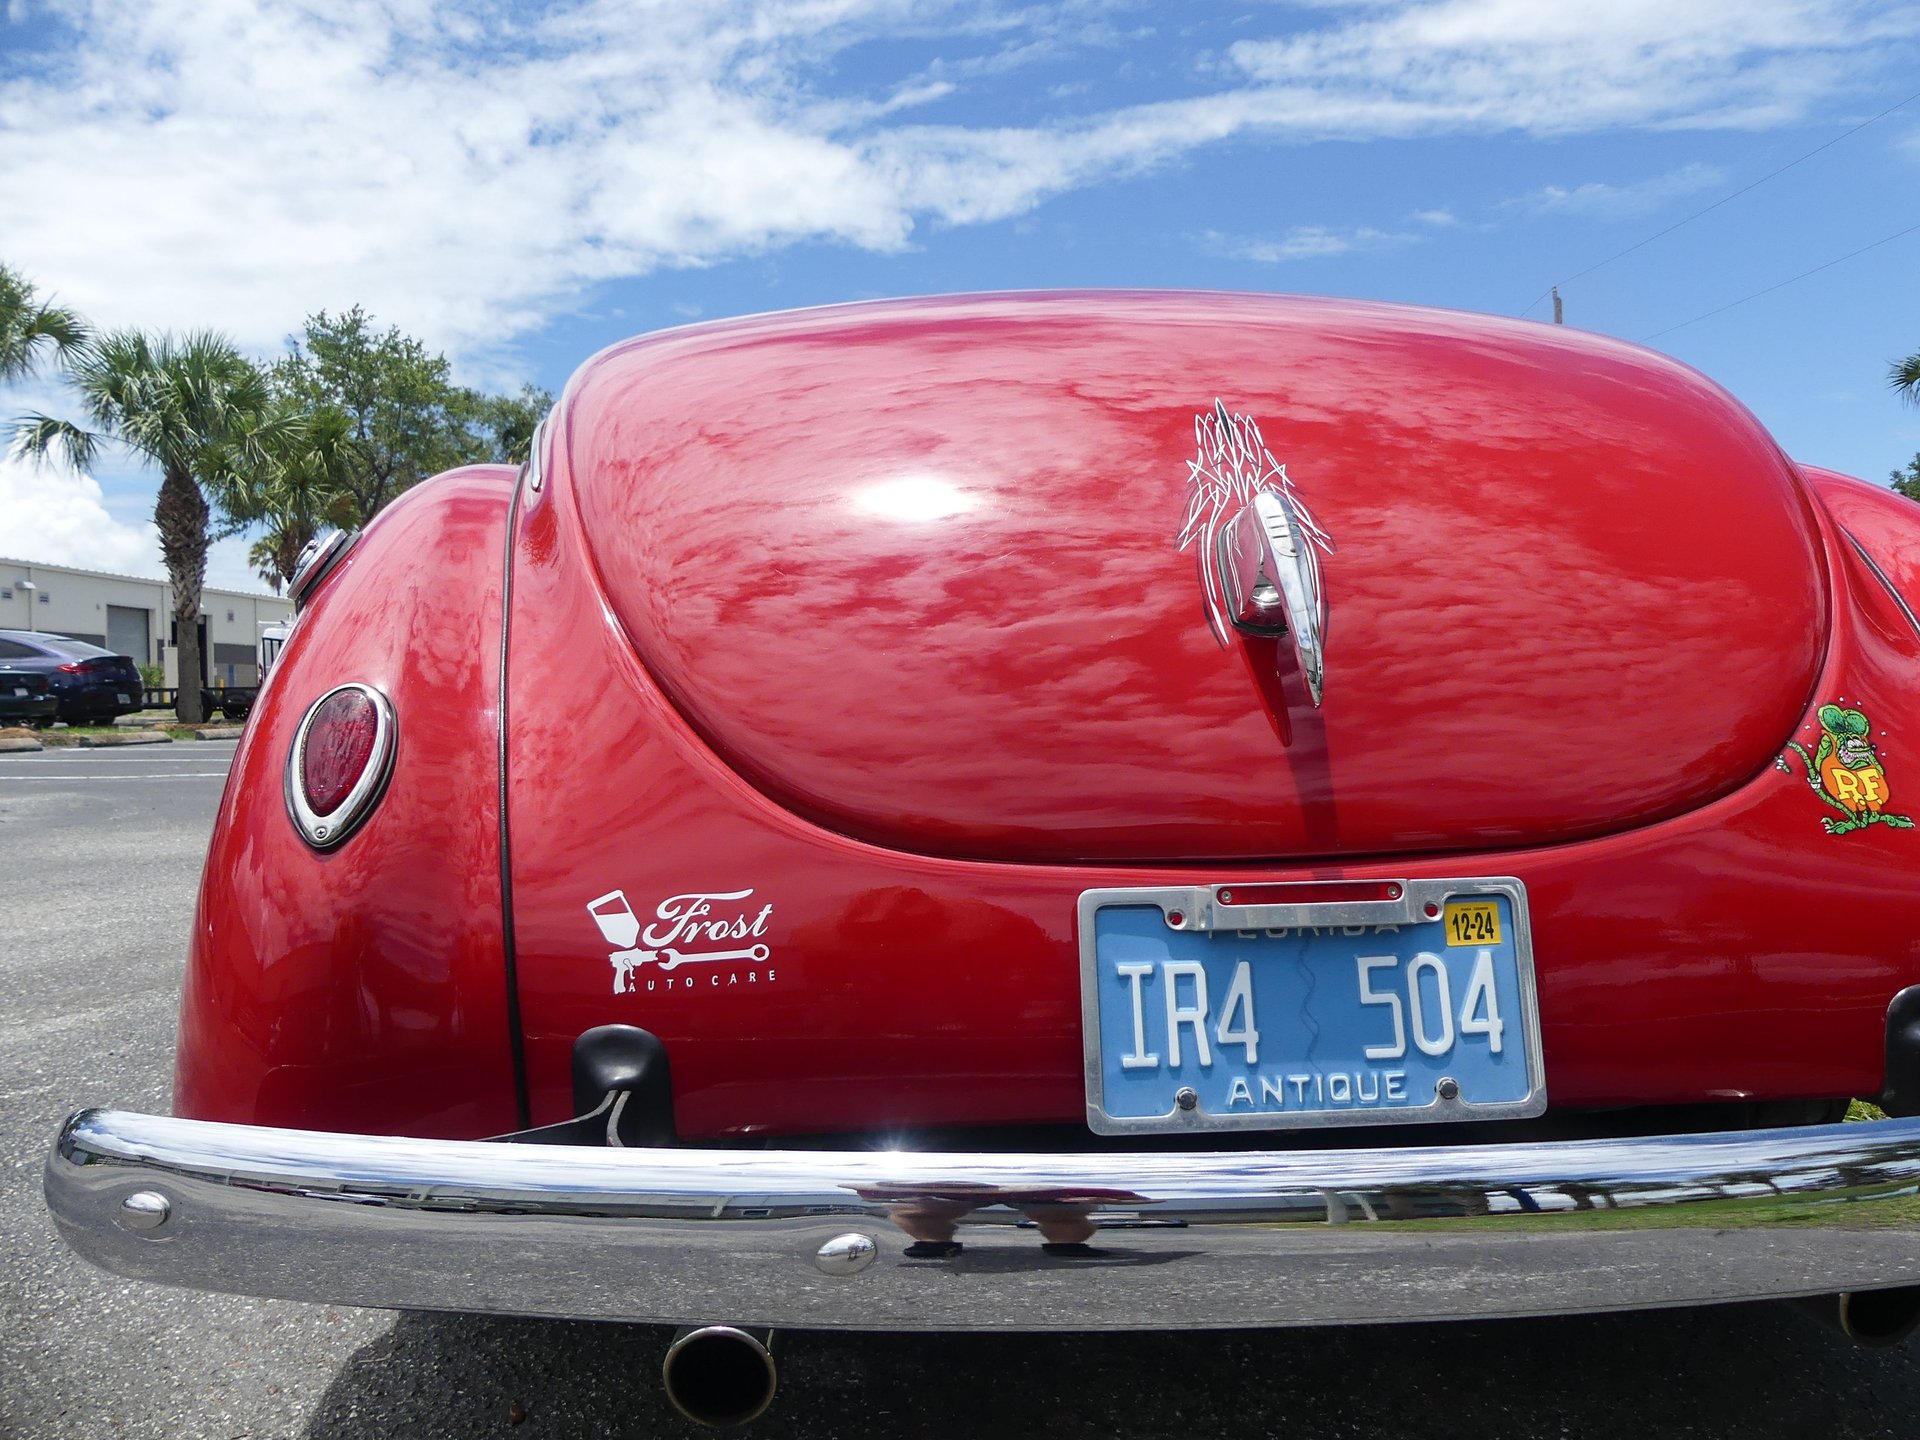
<point x="1403" y="903"/>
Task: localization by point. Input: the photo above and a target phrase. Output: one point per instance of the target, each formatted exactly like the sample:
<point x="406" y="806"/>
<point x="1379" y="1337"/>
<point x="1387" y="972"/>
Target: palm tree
<point x="303" y="487"/>
<point x="196" y="408"/>
<point x="29" y="327"/>
<point x="1904" y="376"/>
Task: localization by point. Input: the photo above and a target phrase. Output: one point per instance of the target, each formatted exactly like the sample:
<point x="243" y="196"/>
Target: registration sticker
<point x="1473" y="922"/>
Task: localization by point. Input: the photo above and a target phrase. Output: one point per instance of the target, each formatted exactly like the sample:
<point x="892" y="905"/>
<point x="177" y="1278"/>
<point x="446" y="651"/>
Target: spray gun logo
<point x="621" y="927"/>
<point x="679" y="918"/>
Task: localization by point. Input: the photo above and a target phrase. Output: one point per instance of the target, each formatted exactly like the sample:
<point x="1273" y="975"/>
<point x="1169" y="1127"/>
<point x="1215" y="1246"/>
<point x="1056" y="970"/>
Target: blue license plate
<point x="1417" y="1005"/>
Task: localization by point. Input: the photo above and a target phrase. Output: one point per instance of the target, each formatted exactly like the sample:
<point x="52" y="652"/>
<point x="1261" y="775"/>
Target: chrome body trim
<point x="1216" y="1238"/>
<point x="536" y="469"/>
<point x="1201" y="908"/>
<point x="323" y="832"/>
<point x="317" y="561"/>
<point x="1270" y="577"/>
<point x="1886" y="584"/>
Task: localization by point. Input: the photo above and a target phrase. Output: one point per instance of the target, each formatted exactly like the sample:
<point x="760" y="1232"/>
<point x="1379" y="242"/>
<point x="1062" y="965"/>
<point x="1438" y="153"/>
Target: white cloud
<point x="1616" y="202"/>
<point x="1305" y="242"/>
<point x="1583" y="64"/>
<point x="1439" y="219"/>
<point x="52" y="514"/>
<point x="240" y="163"/>
<point x="57" y="515"/>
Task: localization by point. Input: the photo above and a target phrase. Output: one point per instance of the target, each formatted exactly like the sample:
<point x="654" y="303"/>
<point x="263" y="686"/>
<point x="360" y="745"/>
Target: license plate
<point x="20" y="694"/>
<point x="1413" y="1004"/>
<point x="122" y="699"/>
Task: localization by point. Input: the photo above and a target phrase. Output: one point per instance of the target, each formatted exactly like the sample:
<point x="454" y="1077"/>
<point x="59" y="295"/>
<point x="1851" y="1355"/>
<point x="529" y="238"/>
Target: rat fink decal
<point x="1846" y="773"/>
<point x="704" y="928"/>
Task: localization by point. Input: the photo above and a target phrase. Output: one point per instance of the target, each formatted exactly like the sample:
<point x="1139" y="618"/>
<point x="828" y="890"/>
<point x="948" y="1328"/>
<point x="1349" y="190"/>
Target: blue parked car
<point x="25" y="698"/>
<point x="89" y="683"/>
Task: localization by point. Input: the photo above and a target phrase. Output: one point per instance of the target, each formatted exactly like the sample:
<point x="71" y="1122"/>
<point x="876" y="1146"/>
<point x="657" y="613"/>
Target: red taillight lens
<point x="341" y="757"/>
<point x="72" y="667"/>
<point x="339" y="746"/>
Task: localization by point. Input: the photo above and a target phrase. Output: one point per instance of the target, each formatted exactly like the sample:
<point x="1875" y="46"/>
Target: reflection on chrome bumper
<point x="889" y="1240"/>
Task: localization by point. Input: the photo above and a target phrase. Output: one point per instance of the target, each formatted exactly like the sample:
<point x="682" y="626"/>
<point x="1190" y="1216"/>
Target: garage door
<point x="130" y="632"/>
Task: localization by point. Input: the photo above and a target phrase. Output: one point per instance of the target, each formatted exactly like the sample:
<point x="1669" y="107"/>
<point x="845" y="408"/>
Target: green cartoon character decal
<point x="1846" y="774"/>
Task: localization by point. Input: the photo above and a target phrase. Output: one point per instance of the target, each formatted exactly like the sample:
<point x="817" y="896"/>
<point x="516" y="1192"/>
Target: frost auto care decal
<point x="719" y="931"/>
<point x="1845" y="772"/>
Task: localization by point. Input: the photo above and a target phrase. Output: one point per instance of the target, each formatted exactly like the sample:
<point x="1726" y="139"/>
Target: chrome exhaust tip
<point x="720" y="1375"/>
<point x="1876" y="1319"/>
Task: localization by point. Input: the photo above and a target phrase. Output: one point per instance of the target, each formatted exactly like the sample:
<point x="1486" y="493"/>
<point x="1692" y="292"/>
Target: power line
<point x="1887" y="240"/>
<point x="1754" y="185"/>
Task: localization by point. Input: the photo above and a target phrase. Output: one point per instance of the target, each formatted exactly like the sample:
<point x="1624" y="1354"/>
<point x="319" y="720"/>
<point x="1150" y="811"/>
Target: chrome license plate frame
<point x="1203" y="911"/>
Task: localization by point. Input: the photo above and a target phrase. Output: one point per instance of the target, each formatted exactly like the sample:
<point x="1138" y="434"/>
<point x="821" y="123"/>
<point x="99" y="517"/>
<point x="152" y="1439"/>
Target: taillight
<point x="72" y="667"/>
<point x="338" y="766"/>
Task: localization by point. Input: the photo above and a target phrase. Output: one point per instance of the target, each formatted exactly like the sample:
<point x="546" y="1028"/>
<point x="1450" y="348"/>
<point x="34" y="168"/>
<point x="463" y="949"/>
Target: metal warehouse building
<point x="131" y="616"/>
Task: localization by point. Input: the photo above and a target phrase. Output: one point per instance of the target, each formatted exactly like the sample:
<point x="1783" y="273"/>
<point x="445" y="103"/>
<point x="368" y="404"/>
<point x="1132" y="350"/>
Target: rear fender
<point x="364" y="988"/>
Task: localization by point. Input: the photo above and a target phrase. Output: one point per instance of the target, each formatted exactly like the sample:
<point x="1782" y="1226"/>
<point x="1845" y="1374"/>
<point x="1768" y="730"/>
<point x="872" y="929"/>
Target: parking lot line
<point x="60" y="755"/>
<point x="175" y="775"/>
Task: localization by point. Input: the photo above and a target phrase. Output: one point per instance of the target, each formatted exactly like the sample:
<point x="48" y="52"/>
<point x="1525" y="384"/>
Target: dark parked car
<point x="26" y="698"/>
<point x="89" y="683"/>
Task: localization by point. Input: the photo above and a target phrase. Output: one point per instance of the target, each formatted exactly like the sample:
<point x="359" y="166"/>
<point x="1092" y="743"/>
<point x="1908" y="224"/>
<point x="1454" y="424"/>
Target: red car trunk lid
<point x="915" y="570"/>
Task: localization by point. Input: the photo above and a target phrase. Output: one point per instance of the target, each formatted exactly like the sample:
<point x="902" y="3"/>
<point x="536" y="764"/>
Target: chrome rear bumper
<point x="821" y="1238"/>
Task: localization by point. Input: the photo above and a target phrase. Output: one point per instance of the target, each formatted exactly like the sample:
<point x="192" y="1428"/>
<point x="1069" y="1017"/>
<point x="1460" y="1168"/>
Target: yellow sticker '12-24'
<point x="1473" y="922"/>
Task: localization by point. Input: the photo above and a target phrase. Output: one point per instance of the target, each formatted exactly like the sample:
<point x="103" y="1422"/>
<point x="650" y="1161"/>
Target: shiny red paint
<point x="1732" y="950"/>
<point x="913" y="570"/>
<point x="363" y="988"/>
<point x="1884" y="524"/>
<point x="1737" y="951"/>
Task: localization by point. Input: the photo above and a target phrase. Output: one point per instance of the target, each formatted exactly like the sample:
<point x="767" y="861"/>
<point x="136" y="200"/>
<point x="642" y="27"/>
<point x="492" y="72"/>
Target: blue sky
<point x="523" y="185"/>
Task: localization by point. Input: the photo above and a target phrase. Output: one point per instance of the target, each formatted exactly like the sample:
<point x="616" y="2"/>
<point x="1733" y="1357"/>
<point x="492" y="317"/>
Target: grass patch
<point x="1864" y="1110"/>
<point x="69" y="735"/>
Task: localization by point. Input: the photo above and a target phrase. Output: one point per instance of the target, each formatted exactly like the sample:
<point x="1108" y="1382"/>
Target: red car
<point x="1092" y="811"/>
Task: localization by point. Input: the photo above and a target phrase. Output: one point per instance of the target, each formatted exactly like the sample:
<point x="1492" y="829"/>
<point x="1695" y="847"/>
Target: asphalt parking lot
<point x="100" y="849"/>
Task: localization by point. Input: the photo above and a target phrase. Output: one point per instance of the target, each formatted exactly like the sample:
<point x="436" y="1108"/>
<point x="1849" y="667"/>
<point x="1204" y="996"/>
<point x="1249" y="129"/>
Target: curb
<point x="19" y="742"/>
<point x="221" y="732"/>
<point x="151" y="737"/>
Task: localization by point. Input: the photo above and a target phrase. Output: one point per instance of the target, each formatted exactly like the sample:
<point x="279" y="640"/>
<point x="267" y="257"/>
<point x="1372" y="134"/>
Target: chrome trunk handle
<point x="1270" y="575"/>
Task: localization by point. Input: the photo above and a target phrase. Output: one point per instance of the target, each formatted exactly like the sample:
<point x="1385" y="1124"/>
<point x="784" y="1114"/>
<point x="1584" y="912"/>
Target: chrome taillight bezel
<point x="323" y="832"/>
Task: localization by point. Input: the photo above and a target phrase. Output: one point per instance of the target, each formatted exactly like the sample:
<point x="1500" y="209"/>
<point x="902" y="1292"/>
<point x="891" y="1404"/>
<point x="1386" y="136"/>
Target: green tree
<point x="404" y="417"/>
<point x="400" y="407"/>
<point x="1904" y="376"/>
<point x="504" y="424"/>
<point x="30" y="328"/>
<point x="1907" y="481"/>
<point x="195" y="408"/>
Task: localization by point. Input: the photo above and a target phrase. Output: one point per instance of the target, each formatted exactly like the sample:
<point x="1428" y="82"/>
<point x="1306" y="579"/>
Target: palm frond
<point x="41" y="437"/>
<point x="1904" y="376"/>
<point x="30" y="327"/>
